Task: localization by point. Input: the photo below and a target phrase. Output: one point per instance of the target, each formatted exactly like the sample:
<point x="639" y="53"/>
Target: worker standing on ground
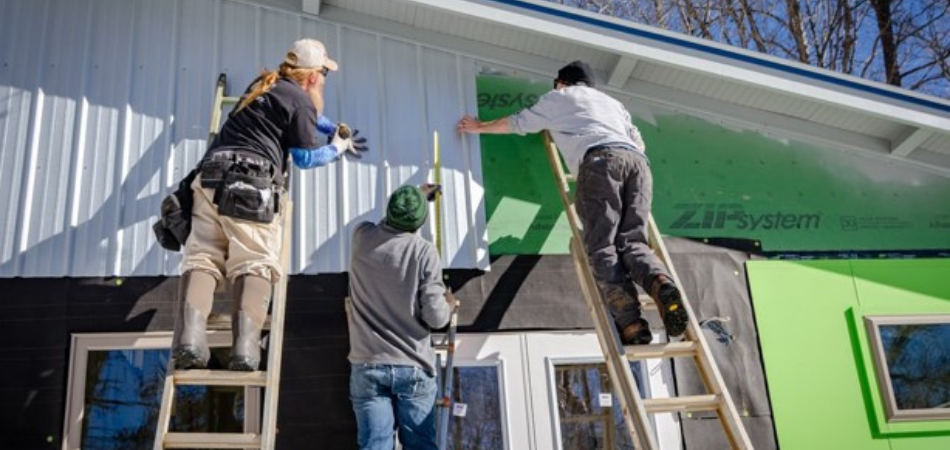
<point x="604" y="150"/>
<point x="396" y="296"/>
<point x="236" y="225"/>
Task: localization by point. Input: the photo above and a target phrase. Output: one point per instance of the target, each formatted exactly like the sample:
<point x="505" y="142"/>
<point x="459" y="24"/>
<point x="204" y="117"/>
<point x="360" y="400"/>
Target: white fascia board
<point x="695" y="60"/>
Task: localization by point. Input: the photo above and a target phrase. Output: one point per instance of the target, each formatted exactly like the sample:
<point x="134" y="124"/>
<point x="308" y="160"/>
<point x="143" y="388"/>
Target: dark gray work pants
<point x="614" y="196"/>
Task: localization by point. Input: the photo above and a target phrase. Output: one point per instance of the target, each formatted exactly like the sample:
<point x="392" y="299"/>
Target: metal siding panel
<point x="360" y="94"/>
<point x="445" y="104"/>
<point x="97" y="235"/>
<point x="406" y="145"/>
<point x="22" y="98"/>
<point x="317" y="214"/>
<point x="56" y="170"/>
<point x="104" y="139"/>
<point x="148" y="150"/>
<point x="238" y="55"/>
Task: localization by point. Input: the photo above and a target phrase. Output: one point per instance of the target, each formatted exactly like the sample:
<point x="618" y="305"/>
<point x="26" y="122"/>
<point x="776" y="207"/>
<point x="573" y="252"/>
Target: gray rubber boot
<point x="251" y="298"/>
<point x="191" y="349"/>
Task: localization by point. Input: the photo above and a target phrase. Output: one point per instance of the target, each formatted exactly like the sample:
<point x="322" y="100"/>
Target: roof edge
<point x="732" y="53"/>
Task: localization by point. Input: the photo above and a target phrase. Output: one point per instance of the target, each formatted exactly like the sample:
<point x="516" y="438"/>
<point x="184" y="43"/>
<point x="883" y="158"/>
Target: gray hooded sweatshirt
<point x="396" y="296"/>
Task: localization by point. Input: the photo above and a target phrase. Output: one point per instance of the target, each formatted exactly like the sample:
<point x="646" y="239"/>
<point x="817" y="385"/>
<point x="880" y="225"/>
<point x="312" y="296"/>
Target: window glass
<point x="123" y="395"/>
<point x="918" y="362"/>
<point x="588" y="419"/>
<point x="481" y="427"/>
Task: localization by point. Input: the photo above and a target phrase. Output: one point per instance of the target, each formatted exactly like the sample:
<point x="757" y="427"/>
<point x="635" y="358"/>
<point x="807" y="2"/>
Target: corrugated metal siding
<point x="109" y="106"/>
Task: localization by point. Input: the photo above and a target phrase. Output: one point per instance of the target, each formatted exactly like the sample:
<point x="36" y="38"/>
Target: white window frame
<point x="82" y="343"/>
<point x="503" y="351"/>
<point x="891" y="411"/>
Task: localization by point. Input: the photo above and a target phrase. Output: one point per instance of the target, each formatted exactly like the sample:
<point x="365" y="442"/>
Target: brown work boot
<point x="670" y="304"/>
<point x="637" y="333"/>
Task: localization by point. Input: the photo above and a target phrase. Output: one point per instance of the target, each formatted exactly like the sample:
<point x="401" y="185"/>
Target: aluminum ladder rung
<point x="667" y="350"/>
<point x="689" y="403"/>
<point x="213" y="440"/>
<point x="257" y="378"/>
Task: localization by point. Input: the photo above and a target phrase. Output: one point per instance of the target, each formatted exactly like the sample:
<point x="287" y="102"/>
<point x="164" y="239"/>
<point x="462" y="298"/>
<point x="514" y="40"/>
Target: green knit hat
<point x="407" y="209"/>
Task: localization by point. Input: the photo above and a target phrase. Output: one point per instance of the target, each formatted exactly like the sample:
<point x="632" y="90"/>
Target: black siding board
<point x="37" y="317"/>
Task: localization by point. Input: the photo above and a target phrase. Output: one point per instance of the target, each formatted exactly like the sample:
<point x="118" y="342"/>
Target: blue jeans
<point x="387" y="399"/>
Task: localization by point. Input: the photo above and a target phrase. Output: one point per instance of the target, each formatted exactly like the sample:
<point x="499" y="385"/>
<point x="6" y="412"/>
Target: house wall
<point x="714" y="178"/>
<point x="105" y="104"/>
<point x="38" y="315"/>
<point x="810" y="321"/>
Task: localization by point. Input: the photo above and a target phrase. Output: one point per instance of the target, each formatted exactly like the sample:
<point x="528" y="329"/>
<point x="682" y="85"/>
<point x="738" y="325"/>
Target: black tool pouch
<point x="213" y="172"/>
<point x="247" y="197"/>
<point x="174" y="224"/>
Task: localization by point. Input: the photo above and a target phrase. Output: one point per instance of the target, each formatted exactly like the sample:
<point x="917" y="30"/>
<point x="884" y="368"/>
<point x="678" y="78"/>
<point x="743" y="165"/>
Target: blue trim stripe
<point x="729" y="54"/>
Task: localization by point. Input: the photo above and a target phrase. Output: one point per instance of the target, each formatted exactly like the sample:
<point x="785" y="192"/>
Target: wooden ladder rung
<point x="646" y="303"/>
<point x="708" y="402"/>
<point x="220" y="378"/>
<point x="667" y="350"/>
<point x="229" y="100"/>
<point x="212" y="440"/>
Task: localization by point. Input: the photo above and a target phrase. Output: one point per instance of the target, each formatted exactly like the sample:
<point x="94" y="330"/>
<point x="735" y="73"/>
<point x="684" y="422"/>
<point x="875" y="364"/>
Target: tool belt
<point x="174" y="223"/>
<point x="246" y="186"/>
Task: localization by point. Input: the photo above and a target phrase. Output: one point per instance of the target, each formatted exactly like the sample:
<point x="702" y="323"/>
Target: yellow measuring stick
<point x="437" y="162"/>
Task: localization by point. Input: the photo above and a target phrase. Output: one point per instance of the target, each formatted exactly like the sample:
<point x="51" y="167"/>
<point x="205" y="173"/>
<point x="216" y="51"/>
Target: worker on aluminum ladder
<point x="235" y="221"/>
<point x="604" y="150"/>
<point x="396" y="296"/>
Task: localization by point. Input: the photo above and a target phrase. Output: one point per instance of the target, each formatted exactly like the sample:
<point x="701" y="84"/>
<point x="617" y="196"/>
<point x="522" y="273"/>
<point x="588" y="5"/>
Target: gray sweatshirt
<point x="396" y="295"/>
<point x="579" y="117"/>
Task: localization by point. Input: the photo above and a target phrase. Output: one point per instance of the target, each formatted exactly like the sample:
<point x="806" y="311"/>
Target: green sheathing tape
<point x="715" y="181"/>
<point x="820" y="375"/>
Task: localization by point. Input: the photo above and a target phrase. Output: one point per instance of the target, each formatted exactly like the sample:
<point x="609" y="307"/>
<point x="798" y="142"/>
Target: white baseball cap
<point x="308" y="54"/>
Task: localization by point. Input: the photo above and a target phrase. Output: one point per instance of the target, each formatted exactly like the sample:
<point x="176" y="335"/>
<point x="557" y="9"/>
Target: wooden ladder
<point x="256" y="436"/>
<point x="635" y="409"/>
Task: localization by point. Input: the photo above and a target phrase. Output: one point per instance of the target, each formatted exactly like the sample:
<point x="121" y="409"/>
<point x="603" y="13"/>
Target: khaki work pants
<point x="228" y="247"/>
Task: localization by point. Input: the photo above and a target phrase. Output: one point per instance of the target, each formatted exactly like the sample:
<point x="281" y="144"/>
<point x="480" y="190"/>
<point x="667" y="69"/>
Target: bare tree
<point x="905" y="43"/>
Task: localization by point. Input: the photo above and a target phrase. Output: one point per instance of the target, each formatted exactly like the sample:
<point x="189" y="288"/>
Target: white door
<point x="569" y="392"/>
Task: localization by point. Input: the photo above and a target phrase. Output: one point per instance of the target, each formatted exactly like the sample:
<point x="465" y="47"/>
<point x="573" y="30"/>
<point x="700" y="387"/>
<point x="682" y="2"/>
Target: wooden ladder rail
<point x="634" y="408"/>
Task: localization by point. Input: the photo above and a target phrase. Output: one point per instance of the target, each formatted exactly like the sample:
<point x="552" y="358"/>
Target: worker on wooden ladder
<point x="235" y="220"/>
<point x="605" y="152"/>
<point x="396" y="296"/>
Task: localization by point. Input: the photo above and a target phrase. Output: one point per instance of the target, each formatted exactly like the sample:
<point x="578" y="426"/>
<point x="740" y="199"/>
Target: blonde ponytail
<point x="269" y="78"/>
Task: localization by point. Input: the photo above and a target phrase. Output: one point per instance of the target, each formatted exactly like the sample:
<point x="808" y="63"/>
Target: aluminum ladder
<point x="634" y="407"/>
<point x="255" y="436"/>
